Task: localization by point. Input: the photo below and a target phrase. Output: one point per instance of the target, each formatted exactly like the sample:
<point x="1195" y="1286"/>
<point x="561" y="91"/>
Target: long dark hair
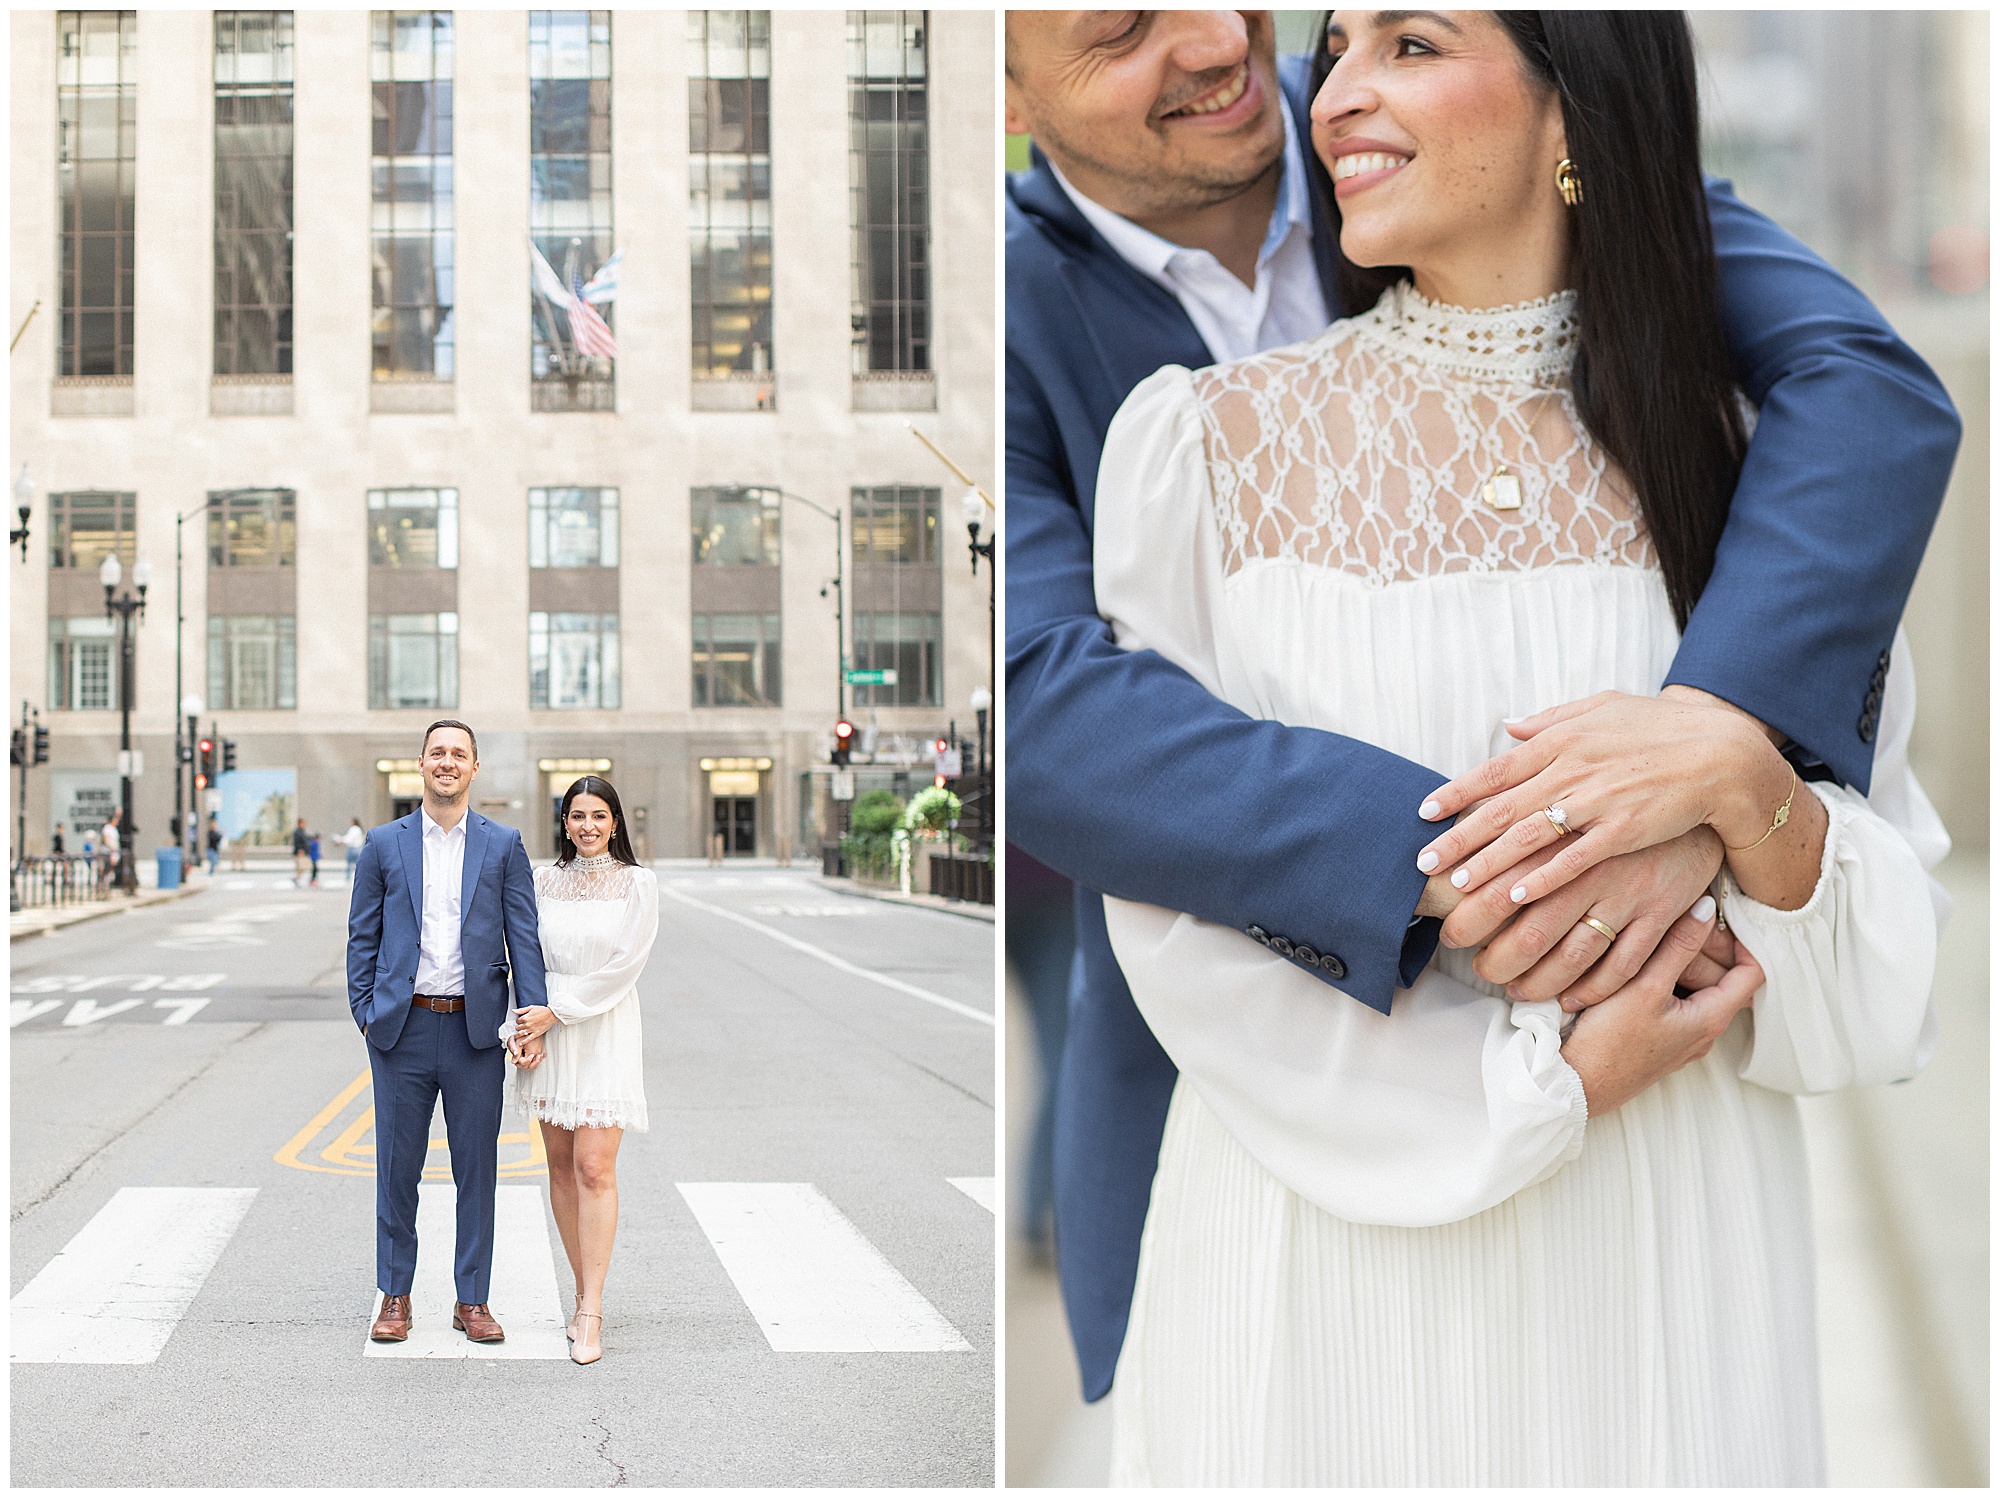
<point x="619" y="846"/>
<point x="1652" y="379"/>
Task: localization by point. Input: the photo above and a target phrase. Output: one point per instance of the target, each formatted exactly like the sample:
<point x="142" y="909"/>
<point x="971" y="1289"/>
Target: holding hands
<point x="526" y="1045"/>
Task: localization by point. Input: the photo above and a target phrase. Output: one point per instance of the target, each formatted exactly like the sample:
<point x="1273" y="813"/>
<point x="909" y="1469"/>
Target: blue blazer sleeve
<point x="1126" y="775"/>
<point x="1844" y="477"/>
<point x="364" y="928"/>
<point x="524" y="938"/>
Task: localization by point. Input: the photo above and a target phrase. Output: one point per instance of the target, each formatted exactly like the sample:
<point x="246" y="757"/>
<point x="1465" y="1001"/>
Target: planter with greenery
<point x="868" y="842"/>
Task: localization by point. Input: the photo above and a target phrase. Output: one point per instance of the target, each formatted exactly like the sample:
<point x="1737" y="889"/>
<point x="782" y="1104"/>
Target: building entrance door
<point x="735" y="822"/>
<point x="402" y="806"/>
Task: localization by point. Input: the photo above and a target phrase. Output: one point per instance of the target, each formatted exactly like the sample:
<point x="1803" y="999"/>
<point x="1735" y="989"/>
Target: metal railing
<point x="71" y="879"/>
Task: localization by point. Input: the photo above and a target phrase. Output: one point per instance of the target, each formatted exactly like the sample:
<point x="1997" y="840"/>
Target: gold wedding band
<point x="1558" y="819"/>
<point x="1600" y="928"/>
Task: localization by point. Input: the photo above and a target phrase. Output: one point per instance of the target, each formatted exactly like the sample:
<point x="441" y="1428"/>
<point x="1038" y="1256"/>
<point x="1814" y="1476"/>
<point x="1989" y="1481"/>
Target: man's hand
<point x="1628" y="772"/>
<point x="528" y="1052"/>
<point x="1544" y="950"/>
<point x="1643" y="1033"/>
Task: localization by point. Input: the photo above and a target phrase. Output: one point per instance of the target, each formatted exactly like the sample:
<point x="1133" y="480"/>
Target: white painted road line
<point x="523" y="1293"/>
<point x="812" y="1282"/>
<point x="832" y="961"/>
<point x="19" y="1011"/>
<point x="121" y="1285"/>
<point x="979" y="1188"/>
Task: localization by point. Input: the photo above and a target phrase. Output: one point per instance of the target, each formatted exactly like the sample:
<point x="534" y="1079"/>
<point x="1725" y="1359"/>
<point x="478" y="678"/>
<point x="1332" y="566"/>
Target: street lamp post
<point x="24" y="500"/>
<point x="982" y="704"/>
<point x="839" y="599"/>
<point x="125" y="609"/>
<point x="184" y="829"/>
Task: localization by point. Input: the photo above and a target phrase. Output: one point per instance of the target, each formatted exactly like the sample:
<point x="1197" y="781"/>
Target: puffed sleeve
<point x="579" y="996"/>
<point x="1846" y="1000"/>
<point x="1431" y="1115"/>
<point x="1156" y="554"/>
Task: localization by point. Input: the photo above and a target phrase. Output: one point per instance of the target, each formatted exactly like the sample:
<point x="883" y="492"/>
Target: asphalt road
<point x="794" y="1034"/>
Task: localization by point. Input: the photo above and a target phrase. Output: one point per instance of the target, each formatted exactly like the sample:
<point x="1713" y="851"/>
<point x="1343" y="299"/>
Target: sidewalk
<point x="23" y="924"/>
<point x="967" y="908"/>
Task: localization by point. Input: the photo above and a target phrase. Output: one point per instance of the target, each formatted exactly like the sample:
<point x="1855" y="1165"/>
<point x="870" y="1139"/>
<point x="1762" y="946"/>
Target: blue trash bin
<point x="169" y="860"/>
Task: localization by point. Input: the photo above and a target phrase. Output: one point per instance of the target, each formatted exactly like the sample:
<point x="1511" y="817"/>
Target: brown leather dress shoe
<point x="476" y="1322"/>
<point x="392" y="1324"/>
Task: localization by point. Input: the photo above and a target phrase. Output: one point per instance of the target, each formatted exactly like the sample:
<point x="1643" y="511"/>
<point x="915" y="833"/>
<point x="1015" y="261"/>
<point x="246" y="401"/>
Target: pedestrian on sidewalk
<point x="580" y="1068"/>
<point x="443" y="906"/>
<point x="214" y="840"/>
<point x="56" y="842"/>
<point x="301" y="844"/>
<point x="312" y="852"/>
<point x="352" y="839"/>
<point x="108" y="840"/>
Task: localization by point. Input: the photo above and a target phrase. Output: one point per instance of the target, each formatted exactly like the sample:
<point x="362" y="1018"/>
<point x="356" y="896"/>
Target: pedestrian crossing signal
<point x="843" y="742"/>
<point x="229" y="754"/>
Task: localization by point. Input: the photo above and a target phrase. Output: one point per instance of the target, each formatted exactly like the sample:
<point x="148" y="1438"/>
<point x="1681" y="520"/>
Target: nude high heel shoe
<point x="581" y="1351"/>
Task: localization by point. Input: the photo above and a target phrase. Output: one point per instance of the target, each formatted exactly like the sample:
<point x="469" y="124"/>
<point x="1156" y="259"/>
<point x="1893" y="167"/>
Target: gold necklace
<point x="1502" y="490"/>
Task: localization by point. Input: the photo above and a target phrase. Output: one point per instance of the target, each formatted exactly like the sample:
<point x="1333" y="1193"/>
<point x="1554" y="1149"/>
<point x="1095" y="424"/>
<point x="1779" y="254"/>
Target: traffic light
<point x="17" y="747"/>
<point x="204" y="763"/>
<point x="843" y="742"/>
<point x="41" y="745"/>
<point x="229" y="754"/>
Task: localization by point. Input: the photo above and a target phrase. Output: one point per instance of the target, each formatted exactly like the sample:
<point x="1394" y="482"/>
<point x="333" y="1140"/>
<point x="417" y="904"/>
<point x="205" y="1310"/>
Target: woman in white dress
<point x="1458" y="1244"/>
<point x="580" y="1060"/>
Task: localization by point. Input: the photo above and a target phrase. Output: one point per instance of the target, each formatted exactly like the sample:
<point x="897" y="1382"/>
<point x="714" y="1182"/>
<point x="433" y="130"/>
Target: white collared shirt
<point x="1234" y="320"/>
<point x="440" y="964"/>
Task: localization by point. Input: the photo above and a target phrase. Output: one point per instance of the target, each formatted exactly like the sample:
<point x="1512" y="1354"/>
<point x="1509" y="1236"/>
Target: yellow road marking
<point x="346" y="1155"/>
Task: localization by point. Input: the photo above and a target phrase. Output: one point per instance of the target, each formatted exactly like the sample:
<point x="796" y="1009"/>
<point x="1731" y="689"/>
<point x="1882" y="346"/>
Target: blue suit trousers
<point x="434" y="1056"/>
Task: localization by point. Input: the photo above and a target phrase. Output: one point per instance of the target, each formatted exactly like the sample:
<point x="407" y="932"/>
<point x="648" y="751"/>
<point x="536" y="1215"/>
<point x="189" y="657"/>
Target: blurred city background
<point x="1866" y="134"/>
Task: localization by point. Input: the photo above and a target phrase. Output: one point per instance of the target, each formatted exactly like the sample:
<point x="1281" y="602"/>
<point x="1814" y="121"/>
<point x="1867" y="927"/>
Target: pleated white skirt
<point x="1643" y="1317"/>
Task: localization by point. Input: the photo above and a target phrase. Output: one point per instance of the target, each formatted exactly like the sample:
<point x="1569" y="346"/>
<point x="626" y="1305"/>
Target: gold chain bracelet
<point x="1778" y="819"/>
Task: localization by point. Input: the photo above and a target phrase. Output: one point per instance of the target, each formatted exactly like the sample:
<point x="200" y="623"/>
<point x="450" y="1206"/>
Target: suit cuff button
<point x="1308" y="955"/>
<point x="1258" y="934"/>
<point x="1281" y="946"/>
<point x="1332" y="966"/>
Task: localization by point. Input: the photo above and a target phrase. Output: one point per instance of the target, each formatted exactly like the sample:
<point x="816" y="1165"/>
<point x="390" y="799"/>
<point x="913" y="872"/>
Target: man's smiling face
<point x="1163" y="111"/>
<point x="449" y="764"/>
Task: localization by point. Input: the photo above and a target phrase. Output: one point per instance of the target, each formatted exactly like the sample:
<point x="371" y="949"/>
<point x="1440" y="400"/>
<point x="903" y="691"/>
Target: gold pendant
<point x="1502" y="491"/>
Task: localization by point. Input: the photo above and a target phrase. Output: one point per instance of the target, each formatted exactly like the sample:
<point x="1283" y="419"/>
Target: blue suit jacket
<point x="497" y="923"/>
<point x="1124" y="774"/>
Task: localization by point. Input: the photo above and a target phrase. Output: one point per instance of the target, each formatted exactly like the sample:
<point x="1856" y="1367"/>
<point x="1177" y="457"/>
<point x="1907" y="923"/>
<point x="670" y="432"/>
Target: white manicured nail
<point x="1428" y="811"/>
<point x="1460" y="879"/>
<point x="1518" y="893"/>
<point x="1515" y="722"/>
<point x="1704" y="909"/>
<point x="1428" y="861"/>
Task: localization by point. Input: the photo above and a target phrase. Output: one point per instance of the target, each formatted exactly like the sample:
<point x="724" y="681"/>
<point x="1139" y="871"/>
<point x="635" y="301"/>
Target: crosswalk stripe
<point x="809" y="1278"/>
<point x="20" y="1011"/>
<point x="831" y="960"/>
<point x="979" y="1188"/>
<point x="523" y="1293"/>
<point x="121" y="1285"/>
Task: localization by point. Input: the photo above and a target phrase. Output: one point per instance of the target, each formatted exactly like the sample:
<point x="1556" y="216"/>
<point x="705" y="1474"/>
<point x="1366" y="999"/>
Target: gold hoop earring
<point x="1569" y="182"/>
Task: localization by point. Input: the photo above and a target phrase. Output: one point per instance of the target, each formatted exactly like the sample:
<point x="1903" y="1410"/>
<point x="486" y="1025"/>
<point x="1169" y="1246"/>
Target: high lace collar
<point x="1532" y="342"/>
<point x="594" y="863"/>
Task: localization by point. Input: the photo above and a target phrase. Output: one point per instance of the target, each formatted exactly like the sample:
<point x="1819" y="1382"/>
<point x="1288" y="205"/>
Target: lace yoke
<point x="1365" y="450"/>
<point x="601" y="878"/>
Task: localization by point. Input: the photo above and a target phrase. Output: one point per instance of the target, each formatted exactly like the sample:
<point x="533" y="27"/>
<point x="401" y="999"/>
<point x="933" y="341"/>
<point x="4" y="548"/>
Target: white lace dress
<point x="598" y="918"/>
<point x="1389" y="1250"/>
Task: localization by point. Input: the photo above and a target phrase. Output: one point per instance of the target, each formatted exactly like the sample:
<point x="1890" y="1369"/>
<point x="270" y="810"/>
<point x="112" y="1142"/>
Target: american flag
<point x="592" y="334"/>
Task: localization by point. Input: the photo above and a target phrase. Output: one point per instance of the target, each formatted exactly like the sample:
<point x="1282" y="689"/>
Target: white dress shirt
<point x="1234" y="320"/>
<point x="440" y="964"/>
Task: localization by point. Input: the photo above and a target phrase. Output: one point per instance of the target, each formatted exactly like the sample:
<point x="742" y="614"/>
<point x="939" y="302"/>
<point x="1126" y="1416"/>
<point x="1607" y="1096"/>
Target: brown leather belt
<point x="437" y="1006"/>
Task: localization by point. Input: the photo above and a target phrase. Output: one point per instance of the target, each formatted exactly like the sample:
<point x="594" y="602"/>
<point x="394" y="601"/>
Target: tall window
<point x="253" y="192"/>
<point x="85" y="528"/>
<point x="252" y="661"/>
<point x="572" y="527"/>
<point x="736" y="660"/>
<point x="411" y="66"/>
<point x="569" y="207"/>
<point x="898" y="595"/>
<point x="83" y="663"/>
<point x="413" y="527"/>
<point x="889" y="188"/>
<point x="729" y="203"/>
<point x="413" y="660"/>
<point x="735" y="527"/>
<point x="97" y="124"/>
<point x="572" y="660"/>
<point x="253" y="528"/>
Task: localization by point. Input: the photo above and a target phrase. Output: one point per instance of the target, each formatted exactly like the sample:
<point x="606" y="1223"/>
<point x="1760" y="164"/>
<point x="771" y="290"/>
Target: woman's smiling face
<point x="590" y="824"/>
<point x="1442" y="146"/>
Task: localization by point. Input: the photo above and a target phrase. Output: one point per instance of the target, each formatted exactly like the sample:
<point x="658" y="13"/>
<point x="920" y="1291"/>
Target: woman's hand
<point x="527" y="1053"/>
<point x="1643" y="1033"/>
<point x="531" y="1023"/>
<point x="1627" y="772"/>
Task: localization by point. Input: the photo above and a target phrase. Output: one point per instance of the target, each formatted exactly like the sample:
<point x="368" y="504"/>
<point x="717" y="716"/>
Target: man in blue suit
<point x="443" y="904"/>
<point x="1180" y="229"/>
